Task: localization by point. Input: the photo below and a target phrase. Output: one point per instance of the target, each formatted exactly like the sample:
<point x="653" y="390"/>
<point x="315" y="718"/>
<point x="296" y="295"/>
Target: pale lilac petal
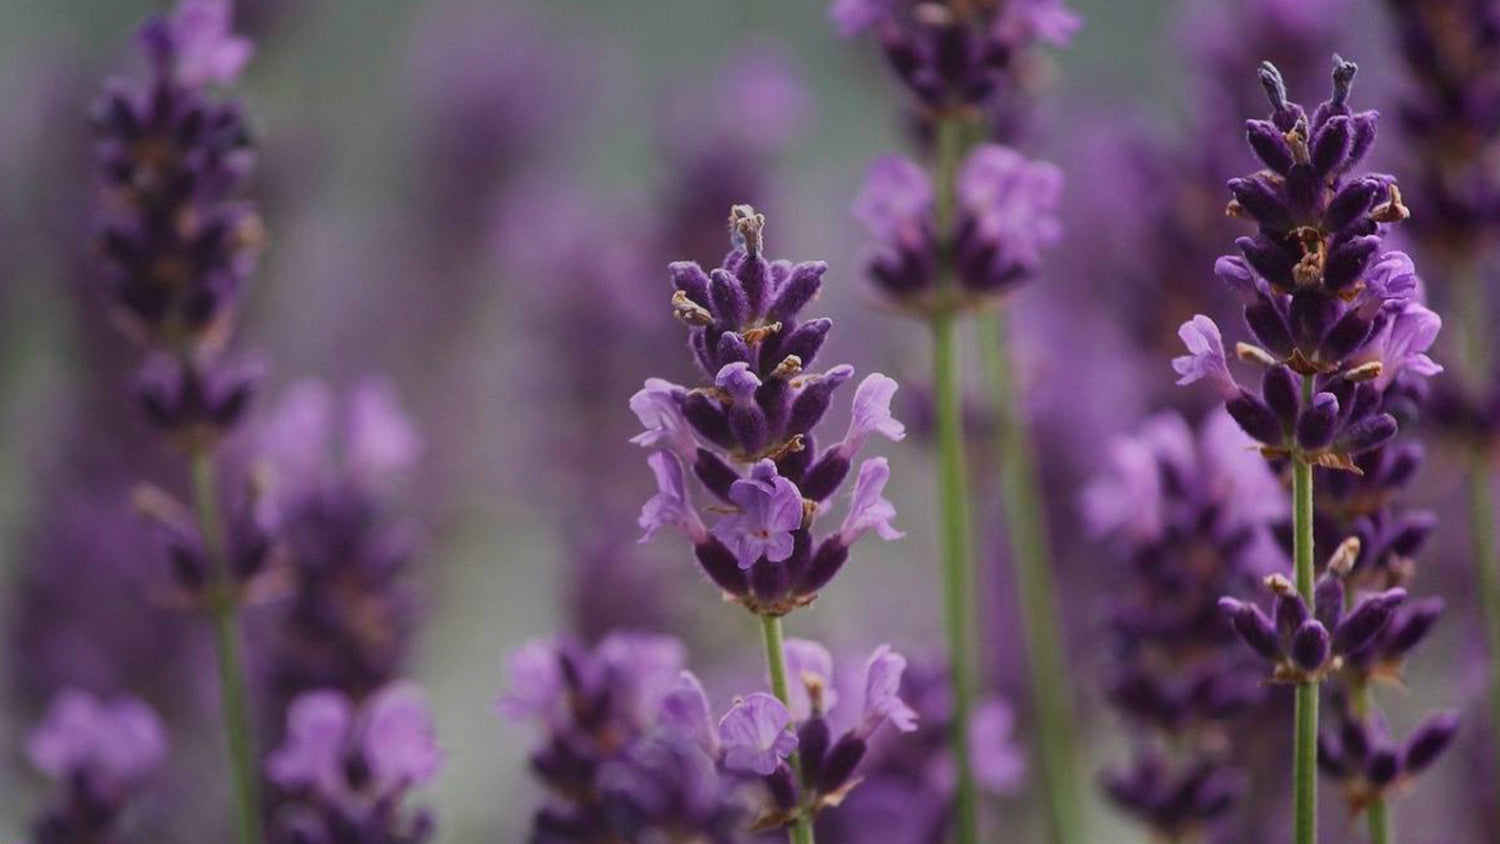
<point x="669" y="507"/>
<point x="896" y="200"/>
<point x="872" y="414"/>
<point x="398" y="738"/>
<point x="882" y="693"/>
<point x="658" y="408"/>
<point x="685" y="712"/>
<point x="756" y="735"/>
<point x="999" y="764"/>
<point x="207" y="52"/>
<point x="534" y="682"/>
<point x="868" y="510"/>
<point x="809" y="663"/>
<point x="312" y="756"/>
<point x="382" y="440"/>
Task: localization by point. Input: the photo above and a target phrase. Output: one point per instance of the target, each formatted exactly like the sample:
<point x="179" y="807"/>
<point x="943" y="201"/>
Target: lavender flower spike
<point x="748" y="433"/>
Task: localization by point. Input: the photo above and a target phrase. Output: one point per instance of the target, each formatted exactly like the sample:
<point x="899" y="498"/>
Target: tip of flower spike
<point x="1343" y="78"/>
<point x="745" y="228"/>
<point x="1270" y="79"/>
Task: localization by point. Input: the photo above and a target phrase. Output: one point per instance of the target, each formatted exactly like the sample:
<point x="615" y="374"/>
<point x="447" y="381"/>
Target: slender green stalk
<point x="1378" y="813"/>
<point x="958" y="567"/>
<point x="235" y="700"/>
<point x="1305" y="747"/>
<point x="771" y="635"/>
<point x="1026" y="525"/>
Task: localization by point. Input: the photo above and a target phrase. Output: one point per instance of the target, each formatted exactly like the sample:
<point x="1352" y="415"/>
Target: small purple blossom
<point x="204" y="50"/>
<point x="391" y="736"/>
<point x="999" y="764"/>
<point x="883" y="703"/>
<point x="669" y="507"/>
<point x="770" y="508"/>
<point x="1013" y="203"/>
<point x="117" y="743"/>
<point x="868" y="510"/>
<point x="895" y="201"/>
<point x="1205" y="360"/>
<point x="756" y="735"/>
<point x="872" y="414"/>
<point x="809" y="666"/>
<point x="685" y="711"/>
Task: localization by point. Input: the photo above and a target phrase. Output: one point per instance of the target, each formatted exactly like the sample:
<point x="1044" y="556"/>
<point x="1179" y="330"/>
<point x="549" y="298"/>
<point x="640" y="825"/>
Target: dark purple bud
<point x="1352" y="202"/>
<point x="1415" y="528"/>
<point x="1255" y="417"/>
<point x="716" y="475"/>
<point x="1253" y="626"/>
<point x="812" y="402"/>
<point x="1364" y="137"/>
<point x="826" y="562"/>
<point x="1290" y="611"/>
<point x="1383" y="766"/>
<point x="1269" y="326"/>
<point x="753" y="274"/>
<point x="1328" y="601"/>
<point x="1347" y="262"/>
<point x="1261" y="201"/>
<point x="1269" y="145"/>
<point x="732" y="349"/>
<point x="813" y="739"/>
<point x="1310" y="645"/>
<point x="1312" y="313"/>
<point x="1411" y="625"/>
<point x="1330" y="146"/>
<point x="1268" y="259"/>
<point x="1354" y="736"/>
<point x="730" y="306"/>
<point x="708" y="419"/>
<point x="842" y="759"/>
<point x="721" y="566"/>
<point x="1347" y="335"/>
<point x="1330" y="756"/>
<point x="1366" y="620"/>
<point x="688" y="277"/>
<point x="1369" y="433"/>
<point x="1315" y="428"/>
<point x="769" y="580"/>
<point x="824" y="476"/>
<point x="748" y="422"/>
<point x="804" y="341"/>
<point x="804" y="282"/>
<point x="782" y="789"/>
<point x="1428" y="741"/>
<point x="1280" y="390"/>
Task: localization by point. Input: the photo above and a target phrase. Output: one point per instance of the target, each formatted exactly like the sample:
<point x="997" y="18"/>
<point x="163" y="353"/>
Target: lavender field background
<point x="515" y="295"/>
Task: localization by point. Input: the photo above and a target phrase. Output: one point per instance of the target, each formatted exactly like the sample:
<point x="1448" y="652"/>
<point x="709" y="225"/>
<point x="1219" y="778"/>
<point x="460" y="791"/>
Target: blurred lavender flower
<point x="758" y="413"/>
<point x="337" y="465"/>
<point x="346" y="770"/>
<point x="1007" y="214"/>
<point x="630" y="744"/>
<point x="957" y="56"/>
<point x="98" y="753"/>
<point x="1369" y="764"/>
<point x="1192" y="515"/>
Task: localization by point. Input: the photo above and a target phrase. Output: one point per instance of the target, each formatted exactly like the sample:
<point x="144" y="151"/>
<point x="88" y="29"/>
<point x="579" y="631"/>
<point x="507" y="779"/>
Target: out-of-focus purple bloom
<point x="1369" y="764"/>
<point x="198" y="41"/>
<point x="883" y="703"/>
<point x="348" y="768"/>
<point x="810" y="666"/>
<point x="98" y="753"/>
<point x="999" y="765"/>
<point x="1006" y="215"/>
<point x="755" y="735"/>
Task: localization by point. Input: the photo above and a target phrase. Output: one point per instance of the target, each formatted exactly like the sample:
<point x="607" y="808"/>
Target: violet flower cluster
<point x="955" y="56"/>
<point x="1192" y="513"/>
<point x="1006" y="216"/>
<point x="634" y="751"/>
<point x="747" y="434"/>
<point x="337" y="463"/>
<point x="1322" y="296"/>
<point x="98" y="754"/>
<point x="346" y="769"/>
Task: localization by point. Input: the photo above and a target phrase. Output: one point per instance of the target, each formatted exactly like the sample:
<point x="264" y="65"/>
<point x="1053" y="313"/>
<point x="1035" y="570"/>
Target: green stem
<point x="244" y="777"/>
<point x="1305" y="766"/>
<point x="771" y="635"/>
<point x="958" y="573"/>
<point x="1378" y="813"/>
<point x="1026" y="525"/>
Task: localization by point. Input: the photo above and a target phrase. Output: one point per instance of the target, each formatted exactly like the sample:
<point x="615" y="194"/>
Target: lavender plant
<point x="1192" y="516"/>
<point x="1338" y="324"/>
<point x="633" y="750"/>
<point x="954" y="240"/>
<point x="98" y="754"/>
<point x="748" y="436"/>
<point x="177" y="245"/>
<point x="1451" y="116"/>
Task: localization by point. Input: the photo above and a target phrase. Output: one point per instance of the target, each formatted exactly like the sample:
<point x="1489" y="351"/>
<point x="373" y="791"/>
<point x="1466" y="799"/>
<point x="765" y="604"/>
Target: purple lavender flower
<point x="958" y="56"/>
<point x="345" y="771"/>
<point x="748" y="435"/>
<point x="1320" y="296"/>
<point x="755" y="735"/>
<point x="630" y="747"/>
<point x="1007" y="214"/>
<point x="1191" y="515"/>
<point x="1368" y="764"/>
<point x="98" y="753"/>
<point x="338" y="463"/>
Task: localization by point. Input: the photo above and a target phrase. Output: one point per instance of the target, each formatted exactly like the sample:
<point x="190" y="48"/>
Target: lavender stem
<point x="771" y="634"/>
<point x="1026" y="526"/>
<point x="1305" y="764"/>
<point x="234" y="698"/>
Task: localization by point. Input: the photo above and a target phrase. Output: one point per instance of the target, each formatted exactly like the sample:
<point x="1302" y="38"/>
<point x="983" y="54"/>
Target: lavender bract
<point x="748" y="435"/>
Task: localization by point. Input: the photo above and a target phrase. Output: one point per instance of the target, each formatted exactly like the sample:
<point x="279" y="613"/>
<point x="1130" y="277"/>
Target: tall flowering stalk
<point x="1338" y="324"/>
<point x="1451" y="115"/>
<point x="748" y="436"/>
<point x="960" y="237"/>
<point x="1192" y="514"/>
<point x="177" y="245"/>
